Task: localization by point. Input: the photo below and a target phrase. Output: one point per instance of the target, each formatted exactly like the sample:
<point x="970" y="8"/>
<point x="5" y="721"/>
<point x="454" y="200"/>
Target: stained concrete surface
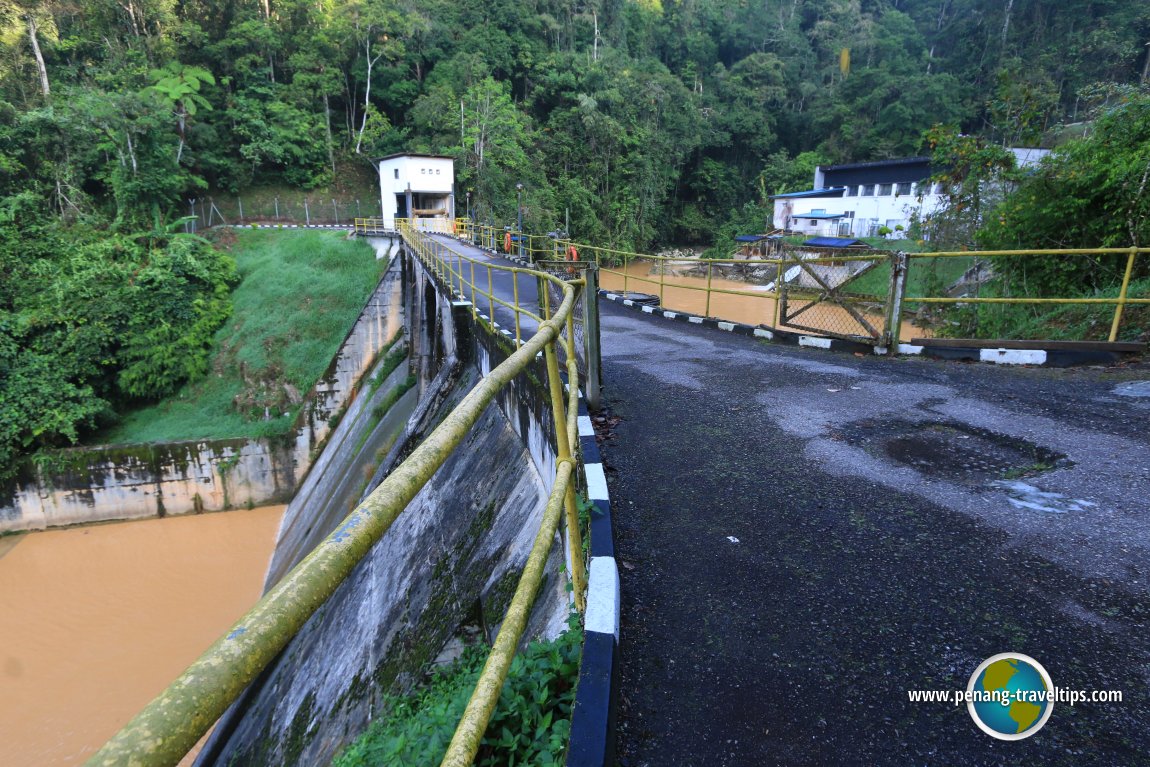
<point x="859" y="575"/>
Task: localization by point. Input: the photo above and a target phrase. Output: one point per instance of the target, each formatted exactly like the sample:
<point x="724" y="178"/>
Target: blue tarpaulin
<point x="832" y="242"/>
<point x="750" y="237"/>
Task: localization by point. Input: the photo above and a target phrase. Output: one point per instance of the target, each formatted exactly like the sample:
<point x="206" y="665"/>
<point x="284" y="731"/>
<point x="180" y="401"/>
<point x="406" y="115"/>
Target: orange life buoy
<point x="572" y="254"/>
<point x="507" y="242"/>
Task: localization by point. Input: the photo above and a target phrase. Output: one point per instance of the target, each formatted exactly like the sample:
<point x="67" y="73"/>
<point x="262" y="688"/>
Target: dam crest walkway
<point x="806" y="536"/>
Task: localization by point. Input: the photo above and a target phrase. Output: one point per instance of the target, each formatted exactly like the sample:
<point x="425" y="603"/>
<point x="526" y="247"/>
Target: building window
<point x="884" y="190"/>
<point x="437" y="171"/>
<point x="397" y="172"/>
<point x="866" y="190"/>
<point x="849" y="192"/>
<point x="903" y="188"/>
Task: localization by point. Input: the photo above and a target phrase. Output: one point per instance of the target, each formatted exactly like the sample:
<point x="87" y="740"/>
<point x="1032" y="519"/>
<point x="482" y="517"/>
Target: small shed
<point x="417" y="186"/>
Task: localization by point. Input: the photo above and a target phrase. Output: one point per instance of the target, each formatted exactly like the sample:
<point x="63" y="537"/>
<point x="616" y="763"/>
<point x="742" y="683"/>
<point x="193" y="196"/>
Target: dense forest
<point x="649" y="121"/>
<point x="637" y="121"/>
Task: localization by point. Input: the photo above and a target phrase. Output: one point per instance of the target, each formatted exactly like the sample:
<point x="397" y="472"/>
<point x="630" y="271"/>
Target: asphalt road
<point x="806" y="536"/>
<point x="483" y="285"/>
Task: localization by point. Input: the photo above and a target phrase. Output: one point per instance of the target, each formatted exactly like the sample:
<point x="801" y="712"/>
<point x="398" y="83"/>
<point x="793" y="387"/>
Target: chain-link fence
<point x="300" y="210"/>
<point x="824" y="293"/>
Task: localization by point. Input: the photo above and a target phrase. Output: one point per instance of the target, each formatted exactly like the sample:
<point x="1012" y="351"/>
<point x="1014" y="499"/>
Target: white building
<point x="419" y="186"/>
<point x="857" y="199"/>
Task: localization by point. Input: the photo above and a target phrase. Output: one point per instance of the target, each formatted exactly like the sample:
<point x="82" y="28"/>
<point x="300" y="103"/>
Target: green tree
<point x="1091" y="192"/>
<point x="178" y="87"/>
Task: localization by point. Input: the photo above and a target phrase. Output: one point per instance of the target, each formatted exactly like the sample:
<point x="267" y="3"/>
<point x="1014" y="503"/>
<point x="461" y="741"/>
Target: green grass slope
<point x="299" y="296"/>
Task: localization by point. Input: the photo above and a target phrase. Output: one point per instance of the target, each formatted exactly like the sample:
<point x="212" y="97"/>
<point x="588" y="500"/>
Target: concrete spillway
<point x="453" y="556"/>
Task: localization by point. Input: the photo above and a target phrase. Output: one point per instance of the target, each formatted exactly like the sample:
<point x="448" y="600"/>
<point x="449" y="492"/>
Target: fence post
<point x="306" y="213"/>
<point x="591" y="347"/>
<point x="1122" y="295"/>
<point x="240" y="200"/>
<point x="899" y="263"/>
<point x="335" y="210"/>
<point x="277" y="204"/>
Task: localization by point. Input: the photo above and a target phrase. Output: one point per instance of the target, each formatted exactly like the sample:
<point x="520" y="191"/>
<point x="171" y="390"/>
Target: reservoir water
<point x="96" y="621"/>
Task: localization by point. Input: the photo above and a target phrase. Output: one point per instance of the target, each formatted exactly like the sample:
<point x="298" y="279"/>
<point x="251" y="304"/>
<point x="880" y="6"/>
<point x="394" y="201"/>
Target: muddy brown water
<point x="96" y="621"/>
<point x="687" y="293"/>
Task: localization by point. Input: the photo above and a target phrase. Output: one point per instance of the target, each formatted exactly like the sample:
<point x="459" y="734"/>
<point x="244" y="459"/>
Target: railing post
<point x="662" y="269"/>
<point x="1122" y="295"/>
<point x="591" y="347"/>
<point x="707" y="308"/>
<point x="899" y="263"/>
<point x="558" y="411"/>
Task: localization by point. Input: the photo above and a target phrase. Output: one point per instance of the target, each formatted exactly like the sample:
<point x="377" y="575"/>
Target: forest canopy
<point x="639" y="122"/>
<point x="649" y="122"/>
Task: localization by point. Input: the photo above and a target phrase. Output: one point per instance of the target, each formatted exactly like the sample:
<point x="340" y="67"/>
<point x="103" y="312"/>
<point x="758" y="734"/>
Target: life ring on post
<point x="572" y="255"/>
<point x="507" y="242"/>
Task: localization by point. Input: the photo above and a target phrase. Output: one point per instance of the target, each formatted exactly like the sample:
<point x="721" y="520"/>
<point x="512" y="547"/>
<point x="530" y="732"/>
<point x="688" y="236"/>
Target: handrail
<point x="175" y="720"/>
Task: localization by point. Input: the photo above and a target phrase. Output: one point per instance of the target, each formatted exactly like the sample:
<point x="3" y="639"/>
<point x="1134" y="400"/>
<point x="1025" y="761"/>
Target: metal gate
<point x="814" y="295"/>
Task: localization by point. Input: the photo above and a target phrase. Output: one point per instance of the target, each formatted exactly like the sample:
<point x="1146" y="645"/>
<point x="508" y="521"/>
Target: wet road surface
<point x="806" y="536"/>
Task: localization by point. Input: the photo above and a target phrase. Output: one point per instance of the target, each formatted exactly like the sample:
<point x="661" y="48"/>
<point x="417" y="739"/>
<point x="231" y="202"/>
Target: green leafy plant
<point x="530" y="725"/>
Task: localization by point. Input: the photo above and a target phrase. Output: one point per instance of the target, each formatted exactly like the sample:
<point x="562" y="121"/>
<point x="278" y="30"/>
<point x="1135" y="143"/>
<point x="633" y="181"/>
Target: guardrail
<point x="872" y="310"/>
<point x="871" y="307"/>
<point x="172" y="723"/>
<point x="1119" y="302"/>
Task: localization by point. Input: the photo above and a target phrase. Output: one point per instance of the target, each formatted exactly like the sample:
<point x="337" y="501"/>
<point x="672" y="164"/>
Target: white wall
<point x="423" y="175"/>
<point x="873" y="209"/>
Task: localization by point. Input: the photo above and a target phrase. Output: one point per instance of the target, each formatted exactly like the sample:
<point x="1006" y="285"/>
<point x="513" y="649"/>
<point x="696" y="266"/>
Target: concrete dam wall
<point x="452" y="558"/>
<point x="117" y="482"/>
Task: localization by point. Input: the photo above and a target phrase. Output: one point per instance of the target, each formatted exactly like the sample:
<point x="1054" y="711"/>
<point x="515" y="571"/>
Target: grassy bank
<point x="300" y="294"/>
<point x="1069" y="322"/>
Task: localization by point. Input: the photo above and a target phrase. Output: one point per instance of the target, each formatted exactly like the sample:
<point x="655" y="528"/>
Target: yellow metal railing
<point x="173" y="723"/>
<point x="674" y="280"/>
<point x="370" y="225"/>
<point x="700" y="284"/>
<point x="1119" y="302"/>
<point x="704" y="286"/>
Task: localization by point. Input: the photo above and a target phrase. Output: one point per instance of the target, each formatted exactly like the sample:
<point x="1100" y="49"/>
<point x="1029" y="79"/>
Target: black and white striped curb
<point x="592" y="742"/>
<point x="1045" y="357"/>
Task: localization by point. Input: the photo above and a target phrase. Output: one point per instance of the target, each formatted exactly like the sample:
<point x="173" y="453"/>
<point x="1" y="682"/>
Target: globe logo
<point x="1010" y="696"/>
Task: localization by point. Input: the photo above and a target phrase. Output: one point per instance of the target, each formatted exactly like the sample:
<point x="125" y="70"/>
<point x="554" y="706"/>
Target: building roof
<point x="412" y="154"/>
<point x="818" y="215"/>
<point x="877" y="163"/>
<point x="834" y="242"/>
<point x="832" y="192"/>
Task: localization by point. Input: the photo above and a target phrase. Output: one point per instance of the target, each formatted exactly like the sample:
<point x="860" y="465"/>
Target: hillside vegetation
<point x="640" y="122"/>
<point x="299" y="294"/>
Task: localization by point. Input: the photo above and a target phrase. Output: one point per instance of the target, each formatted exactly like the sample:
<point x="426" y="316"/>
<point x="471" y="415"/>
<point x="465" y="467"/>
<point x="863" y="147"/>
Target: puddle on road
<point x="1024" y="496"/>
<point x="1139" y="389"/>
<point x="954" y="451"/>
